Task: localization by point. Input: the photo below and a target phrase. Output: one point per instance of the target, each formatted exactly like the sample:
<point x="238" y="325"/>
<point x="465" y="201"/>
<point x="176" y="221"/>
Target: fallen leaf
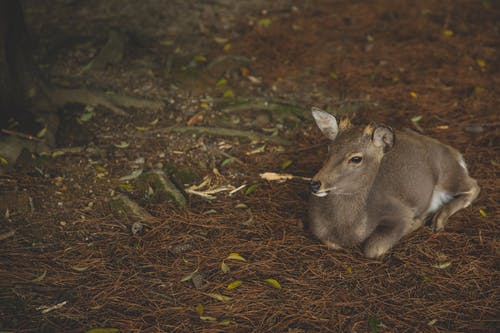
<point x="224" y="267"/>
<point x="447" y="33"/>
<point x="79" y="268"/>
<point x="199" y="309"/>
<point x="265" y="22"/>
<point x="200" y="58"/>
<point x="432" y="322"/>
<point x="274" y="283"/>
<point x="204" y="105"/>
<point x="349" y="269"/>
<point x="241" y="205"/>
<point x="3" y="161"/>
<point x="483" y="213"/>
<point x="228" y="93"/>
<point x="122" y="144"/>
<point x="103" y="330"/>
<point x="221" y="83"/>
<point x="227" y="47"/>
<point x="208" y="318"/>
<point x="42" y="132"/>
<point x="220" y="40"/>
<point x="195" y="119"/>
<point x="286" y="164"/>
<point x="233" y="285"/>
<point x="443" y="265"/>
<point x="373" y="325"/>
<point x="225" y="322"/>
<point x="141" y="128"/>
<point x="236" y="256"/>
<point x="41" y="277"/>
<point x="126" y="187"/>
<point x="334" y="75"/>
<point x="154" y="122"/>
<point x="219" y="297"/>
<point x="189" y="276"/>
<point x="250" y="189"/>
<point x="480" y="62"/>
<point x="133" y="175"/>
<point x="413" y="94"/>
<point x="227" y="161"/>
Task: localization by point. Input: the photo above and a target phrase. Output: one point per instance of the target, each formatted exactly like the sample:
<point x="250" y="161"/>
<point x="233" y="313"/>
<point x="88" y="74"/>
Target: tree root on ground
<point x="227" y="132"/>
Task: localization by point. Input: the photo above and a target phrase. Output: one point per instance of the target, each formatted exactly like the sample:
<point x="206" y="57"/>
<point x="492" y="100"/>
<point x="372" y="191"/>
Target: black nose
<point x="315" y="185"/>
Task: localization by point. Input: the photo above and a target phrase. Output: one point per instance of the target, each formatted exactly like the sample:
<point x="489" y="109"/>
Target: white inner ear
<point x="326" y="123"/>
<point x="383" y="136"/>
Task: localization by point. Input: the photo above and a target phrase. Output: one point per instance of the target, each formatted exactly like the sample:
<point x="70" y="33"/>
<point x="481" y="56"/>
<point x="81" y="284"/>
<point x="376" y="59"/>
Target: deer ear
<point x="383" y="136"/>
<point x="326" y="123"/>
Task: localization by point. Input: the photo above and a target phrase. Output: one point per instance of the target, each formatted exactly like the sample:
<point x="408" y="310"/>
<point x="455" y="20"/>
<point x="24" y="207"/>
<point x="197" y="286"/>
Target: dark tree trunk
<point x="17" y="69"/>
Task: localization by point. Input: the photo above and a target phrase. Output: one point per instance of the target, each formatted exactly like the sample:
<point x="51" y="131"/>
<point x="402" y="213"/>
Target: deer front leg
<point x="460" y="200"/>
<point x="385" y="236"/>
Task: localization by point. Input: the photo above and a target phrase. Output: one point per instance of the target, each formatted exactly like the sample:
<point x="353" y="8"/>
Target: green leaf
<point x="334" y="75"/>
<point x="227" y="161"/>
<point x="274" y="283"/>
<point x="233" y="285"/>
<point x="349" y="269"/>
<point x="265" y="22"/>
<point x="373" y="325"/>
<point x="126" y="187"/>
<point x="250" y="189"/>
<point x="225" y="322"/>
<point x="219" y="297"/>
<point x="86" y="116"/>
<point x="103" y="330"/>
<point x="221" y="83"/>
<point x="236" y="256"/>
<point x="3" y="161"/>
<point x="228" y="93"/>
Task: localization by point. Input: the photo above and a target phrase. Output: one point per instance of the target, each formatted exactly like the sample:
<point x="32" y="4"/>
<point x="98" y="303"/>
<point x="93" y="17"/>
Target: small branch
<point x="22" y="135"/>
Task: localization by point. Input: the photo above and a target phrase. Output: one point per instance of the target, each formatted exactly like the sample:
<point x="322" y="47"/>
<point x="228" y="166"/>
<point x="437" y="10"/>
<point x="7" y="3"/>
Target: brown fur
<point x="403" y="178"/>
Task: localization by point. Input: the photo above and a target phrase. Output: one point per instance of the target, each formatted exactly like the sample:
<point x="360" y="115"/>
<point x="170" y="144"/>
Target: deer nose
<point x="315" y="185"/>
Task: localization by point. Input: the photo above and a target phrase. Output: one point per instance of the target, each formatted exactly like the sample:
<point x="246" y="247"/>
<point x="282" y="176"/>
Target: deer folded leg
<point x="383" y="239"/>
<point x="460" y="200"/>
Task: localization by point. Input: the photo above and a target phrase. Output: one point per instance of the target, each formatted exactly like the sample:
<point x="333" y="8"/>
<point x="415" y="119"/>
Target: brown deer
<point x="378" y="185"/>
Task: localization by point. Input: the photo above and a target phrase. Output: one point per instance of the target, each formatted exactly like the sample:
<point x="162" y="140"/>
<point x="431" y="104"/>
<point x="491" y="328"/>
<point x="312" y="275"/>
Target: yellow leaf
<point x="141" y="128"/>
<point x="228" y="93"/>
<point x="236" y="256"/>
<point x="413" y="94"/>
<point x="286" y="164"/>
<point x="154" y="122"/>
<point x="443" y="265"/>
<point x="349" y="269"/>
<point x="199" y="309"/>
<point x="225" y="322"/>
<point x="334" y="75"/>
<point x="235" y="284"/>
<point x="221" y="83"/>
<point x="447" y="33"/>
<point x="265" y="22"/>
<point x="42" y="132"/>
<point x="200" y="58"/>
<point x="480" y="62"/>
<point x="273" y="283"/>
<point x="483" y="213"/>
<point x="3" y="161"/>
<point x="219" y="297"/>
<point x="224" y="268"/>
<point x="204" y="105"/>
<point x="79" y="268"/>
<point x="227" y="47"/>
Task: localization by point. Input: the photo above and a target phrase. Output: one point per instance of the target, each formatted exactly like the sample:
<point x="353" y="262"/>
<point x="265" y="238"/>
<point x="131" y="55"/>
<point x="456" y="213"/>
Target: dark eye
<point x="356" y="159"/>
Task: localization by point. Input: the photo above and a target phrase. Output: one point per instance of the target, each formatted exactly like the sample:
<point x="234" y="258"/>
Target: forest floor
<point x="88" y="240"/>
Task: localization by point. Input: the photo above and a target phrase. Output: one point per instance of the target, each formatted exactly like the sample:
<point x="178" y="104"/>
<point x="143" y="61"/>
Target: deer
<point x="378" y="185"/>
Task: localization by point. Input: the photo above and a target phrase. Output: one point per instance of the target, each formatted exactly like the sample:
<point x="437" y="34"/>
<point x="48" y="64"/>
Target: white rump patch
<point x="438" y="199"/>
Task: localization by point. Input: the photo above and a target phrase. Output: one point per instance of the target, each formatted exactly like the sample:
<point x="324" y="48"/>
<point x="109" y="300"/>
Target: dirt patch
<point x="70" y="263"/>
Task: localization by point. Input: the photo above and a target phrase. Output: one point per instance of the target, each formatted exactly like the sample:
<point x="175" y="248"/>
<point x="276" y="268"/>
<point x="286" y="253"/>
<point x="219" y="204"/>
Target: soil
<point x="70" y="261"/>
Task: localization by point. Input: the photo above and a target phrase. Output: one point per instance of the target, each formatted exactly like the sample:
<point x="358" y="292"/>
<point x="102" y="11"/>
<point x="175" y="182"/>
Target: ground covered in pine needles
<point x="236" y="256"/>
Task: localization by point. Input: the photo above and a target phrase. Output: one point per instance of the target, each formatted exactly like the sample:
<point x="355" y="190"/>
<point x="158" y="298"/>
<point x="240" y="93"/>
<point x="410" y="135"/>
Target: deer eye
<point x="356" y="159"/>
